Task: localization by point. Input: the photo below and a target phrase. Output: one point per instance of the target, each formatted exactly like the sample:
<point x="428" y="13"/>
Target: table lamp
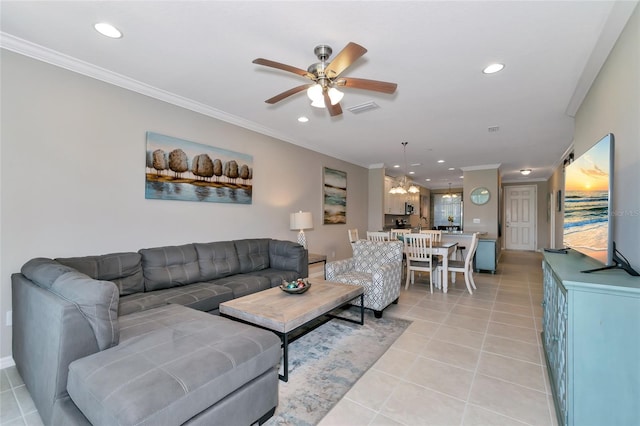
<point x="301" y="220"/>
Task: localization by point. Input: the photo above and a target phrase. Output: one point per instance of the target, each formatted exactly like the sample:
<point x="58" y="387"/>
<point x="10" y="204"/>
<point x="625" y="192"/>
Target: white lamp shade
<point x="315" y="94"/>
<point x="301" y="220"/>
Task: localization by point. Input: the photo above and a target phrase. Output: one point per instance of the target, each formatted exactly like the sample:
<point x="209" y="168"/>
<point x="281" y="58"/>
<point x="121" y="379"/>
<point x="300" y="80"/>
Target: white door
<point x="520" y="215"/>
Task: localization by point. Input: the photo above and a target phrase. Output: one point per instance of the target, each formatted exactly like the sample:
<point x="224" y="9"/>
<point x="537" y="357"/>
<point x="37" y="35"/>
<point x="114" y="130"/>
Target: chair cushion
<point x="171" y="266"/>
<point x="369" y="255"/>
<point x="196" y="359"/>
<point x="123" y="269"/>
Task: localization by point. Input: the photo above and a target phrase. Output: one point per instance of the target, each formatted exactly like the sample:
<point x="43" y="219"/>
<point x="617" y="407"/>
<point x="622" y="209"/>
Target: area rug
<point x="325" y="362"/>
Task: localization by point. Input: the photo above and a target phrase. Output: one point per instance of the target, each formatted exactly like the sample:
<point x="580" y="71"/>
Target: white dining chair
<point x="435" y="235"/>
<point x="378" y="236"/>
<point x="465" y="266"/>
<point x="417" y="249"/>
<point x="353" y="235"/>
<point x="398" y="231"/>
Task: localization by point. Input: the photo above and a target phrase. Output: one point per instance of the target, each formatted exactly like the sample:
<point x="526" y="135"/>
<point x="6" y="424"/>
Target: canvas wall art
<point x="334" y="196"/>
<point x="177" y="169"/>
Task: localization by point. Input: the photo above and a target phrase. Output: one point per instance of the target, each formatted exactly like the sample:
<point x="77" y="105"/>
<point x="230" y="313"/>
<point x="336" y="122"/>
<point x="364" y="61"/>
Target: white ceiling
<point x="198" y="55"/>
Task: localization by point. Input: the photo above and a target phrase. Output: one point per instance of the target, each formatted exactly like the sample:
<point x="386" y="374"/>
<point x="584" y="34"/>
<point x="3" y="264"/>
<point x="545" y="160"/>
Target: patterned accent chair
<point x="375" y="265"/>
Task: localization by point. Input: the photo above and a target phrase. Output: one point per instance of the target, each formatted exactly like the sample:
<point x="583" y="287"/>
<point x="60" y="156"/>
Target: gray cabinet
<point x="486" y="258"/>
<point x="591" y="340"/>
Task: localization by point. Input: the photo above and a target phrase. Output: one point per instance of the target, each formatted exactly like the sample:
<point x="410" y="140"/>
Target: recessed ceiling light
<point x="107" y="30"/>
<point x="462" y="177"/>
<point x="525" y="172"/>
<point x="416" y="164"/>
<point x="396" y="166"/>
<point x="451" y="168"/>
<point x="493" y="68"/>
<point x="428" y="180"/>
<point x="440" y="161"/>
<point x="412" y="173"/>
<point x="303" y="119"/>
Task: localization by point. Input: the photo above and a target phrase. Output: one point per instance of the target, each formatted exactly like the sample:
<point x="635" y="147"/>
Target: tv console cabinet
<point x="591" y="340"/>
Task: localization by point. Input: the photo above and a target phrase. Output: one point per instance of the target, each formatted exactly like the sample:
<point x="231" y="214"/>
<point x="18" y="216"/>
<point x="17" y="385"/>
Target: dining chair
<point x="435" y="235"/>
<point x="465" y="266"/>
<point x="378" y="236"/>
<point x="398" y="231"/>
<point x="417" y="248"/>
<point x="353" y="235"/>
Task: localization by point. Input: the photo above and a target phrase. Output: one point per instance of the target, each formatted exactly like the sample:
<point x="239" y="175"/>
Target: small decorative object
<point x="295" y="287"/>
<point x="450" y="219"/>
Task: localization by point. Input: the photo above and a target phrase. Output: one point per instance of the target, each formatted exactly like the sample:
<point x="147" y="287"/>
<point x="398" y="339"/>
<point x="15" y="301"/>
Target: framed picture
<point x="177" y="169"/>
<point x="334" y="196"/>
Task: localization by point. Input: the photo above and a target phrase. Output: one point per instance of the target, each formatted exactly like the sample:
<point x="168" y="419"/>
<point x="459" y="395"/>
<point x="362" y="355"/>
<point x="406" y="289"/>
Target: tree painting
<point x="178" y="169"/>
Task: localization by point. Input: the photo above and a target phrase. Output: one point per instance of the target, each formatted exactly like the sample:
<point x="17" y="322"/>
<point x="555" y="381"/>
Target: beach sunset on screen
<point x="590" y="173"/>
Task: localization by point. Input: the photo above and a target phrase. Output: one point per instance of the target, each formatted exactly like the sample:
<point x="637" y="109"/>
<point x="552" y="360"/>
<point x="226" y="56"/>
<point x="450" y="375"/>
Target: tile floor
<point x="466" y="359"/>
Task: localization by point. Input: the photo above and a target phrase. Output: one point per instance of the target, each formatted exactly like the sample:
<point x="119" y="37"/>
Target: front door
<point x="520" y="215"/>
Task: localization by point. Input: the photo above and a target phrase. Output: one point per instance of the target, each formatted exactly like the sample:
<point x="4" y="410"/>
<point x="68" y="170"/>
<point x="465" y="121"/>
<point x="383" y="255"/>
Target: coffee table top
<point x="283" y="312"/>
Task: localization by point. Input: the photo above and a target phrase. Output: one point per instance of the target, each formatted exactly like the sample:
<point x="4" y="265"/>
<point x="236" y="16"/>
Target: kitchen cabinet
<point x="393" y="203"/>
<point x="486" y="258"/>
<point x="591" y="342"/>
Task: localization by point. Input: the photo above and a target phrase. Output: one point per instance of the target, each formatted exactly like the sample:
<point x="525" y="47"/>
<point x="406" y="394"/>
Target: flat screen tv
<point x="588" y="192"/>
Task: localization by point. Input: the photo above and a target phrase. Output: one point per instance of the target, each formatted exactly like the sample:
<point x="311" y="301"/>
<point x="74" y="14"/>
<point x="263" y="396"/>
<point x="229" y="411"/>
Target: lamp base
<point x="302" y="239"/>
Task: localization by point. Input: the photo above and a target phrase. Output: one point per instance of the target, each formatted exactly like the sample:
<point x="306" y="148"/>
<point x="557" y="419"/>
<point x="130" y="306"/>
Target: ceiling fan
<point x="326" y="77"/>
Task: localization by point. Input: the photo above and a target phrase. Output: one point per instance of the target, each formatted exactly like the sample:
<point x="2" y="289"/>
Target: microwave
<point x="408" y="208"/>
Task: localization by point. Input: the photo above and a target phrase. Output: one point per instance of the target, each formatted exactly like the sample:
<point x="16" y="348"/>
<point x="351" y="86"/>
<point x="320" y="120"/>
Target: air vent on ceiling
<point x="357" y="109"/>
<point x="493" y="129"/>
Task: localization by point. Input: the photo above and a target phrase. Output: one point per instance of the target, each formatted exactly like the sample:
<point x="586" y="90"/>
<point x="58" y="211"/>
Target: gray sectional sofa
<point x="130" y="339"/>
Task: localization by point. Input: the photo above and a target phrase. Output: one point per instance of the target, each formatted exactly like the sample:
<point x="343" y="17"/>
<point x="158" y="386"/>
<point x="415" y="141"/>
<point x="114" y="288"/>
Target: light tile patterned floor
<point x="466" y="359"/>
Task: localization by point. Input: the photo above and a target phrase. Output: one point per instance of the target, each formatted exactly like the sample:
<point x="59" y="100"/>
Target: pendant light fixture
<point x="404" y="185"/>
<point x="450" y="194"/>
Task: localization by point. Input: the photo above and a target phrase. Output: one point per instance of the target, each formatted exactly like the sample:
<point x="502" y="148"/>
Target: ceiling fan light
<point x="335" y="95"/>
<point x="315" y="94"/>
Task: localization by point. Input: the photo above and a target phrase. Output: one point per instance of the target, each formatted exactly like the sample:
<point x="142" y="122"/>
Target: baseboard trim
<point x="6" y="362"/>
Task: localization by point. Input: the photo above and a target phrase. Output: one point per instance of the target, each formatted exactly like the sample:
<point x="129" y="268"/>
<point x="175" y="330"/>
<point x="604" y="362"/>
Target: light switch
<point x="476" y="220"/>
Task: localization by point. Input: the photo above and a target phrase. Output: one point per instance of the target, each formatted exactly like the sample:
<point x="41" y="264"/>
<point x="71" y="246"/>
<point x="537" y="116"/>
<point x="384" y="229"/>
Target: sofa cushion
<point x="43" y="271"/>
<point x="196" y="359"/>
<point x="204" y="296"/>
<point x="217" y="260"/>
<point x="253" y="254"/>
<point x="98" y="302"/>
<point x="276" y="276"/>
<point x="170" y="266"/>
<point x="123" y="269"/>
<point x="244" y="284"/>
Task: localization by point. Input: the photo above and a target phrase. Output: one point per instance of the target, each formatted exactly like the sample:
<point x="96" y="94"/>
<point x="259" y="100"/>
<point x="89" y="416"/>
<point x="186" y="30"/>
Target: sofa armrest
<point x="289" y="256"/>
<point x="338" y="267"/>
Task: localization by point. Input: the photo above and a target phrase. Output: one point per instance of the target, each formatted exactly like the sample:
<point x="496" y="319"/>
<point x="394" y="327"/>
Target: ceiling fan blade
<point x="333" y="109"/>
<point x="346" y="57"/>
<point x="284" y="67"/>
<point x="361" y="83"/>
<point x="288" y="93"/>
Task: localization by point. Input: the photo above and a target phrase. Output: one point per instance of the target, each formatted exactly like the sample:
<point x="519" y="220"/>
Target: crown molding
<point x="52" y="57"/>
<point x="482" y="167"/>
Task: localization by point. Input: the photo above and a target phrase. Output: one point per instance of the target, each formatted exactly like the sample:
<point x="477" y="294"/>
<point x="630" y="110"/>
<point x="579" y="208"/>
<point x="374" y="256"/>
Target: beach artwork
<point x="178" y="169"/>
<point x="586" y="202"/>
<point x="334" y="196"/>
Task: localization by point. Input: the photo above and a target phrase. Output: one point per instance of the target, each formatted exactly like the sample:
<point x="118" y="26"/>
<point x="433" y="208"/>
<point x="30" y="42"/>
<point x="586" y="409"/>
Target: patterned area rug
<point x="327" y="361"/>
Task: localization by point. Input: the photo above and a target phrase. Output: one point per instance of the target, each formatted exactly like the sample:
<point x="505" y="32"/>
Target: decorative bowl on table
<point x="295" y="287"/>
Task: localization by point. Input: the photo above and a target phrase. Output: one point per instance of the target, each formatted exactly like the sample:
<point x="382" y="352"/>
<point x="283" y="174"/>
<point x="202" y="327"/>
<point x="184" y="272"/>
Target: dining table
<point x="444" y="249"/>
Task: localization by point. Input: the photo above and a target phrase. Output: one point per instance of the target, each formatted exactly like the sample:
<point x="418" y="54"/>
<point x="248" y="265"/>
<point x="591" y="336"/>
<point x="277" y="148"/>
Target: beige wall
<point x="613" y="106"/>
<point x="486" y="213"/>
<point x="73" y="176"/>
